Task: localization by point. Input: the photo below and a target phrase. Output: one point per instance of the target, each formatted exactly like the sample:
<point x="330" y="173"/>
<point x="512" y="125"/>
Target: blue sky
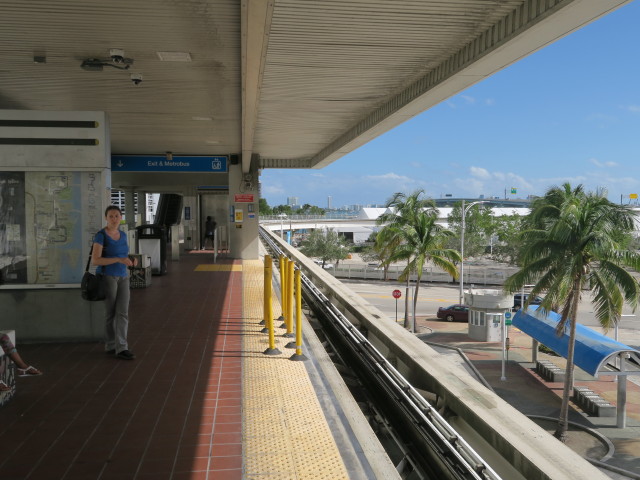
<point x="569" y="112"/>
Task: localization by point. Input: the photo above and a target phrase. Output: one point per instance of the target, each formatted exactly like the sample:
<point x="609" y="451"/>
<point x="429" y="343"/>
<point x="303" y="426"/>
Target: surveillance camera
<point x="117" y="55"/>
<point x="136" y="78"/>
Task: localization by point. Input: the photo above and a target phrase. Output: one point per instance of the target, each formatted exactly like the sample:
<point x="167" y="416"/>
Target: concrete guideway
<point x="516" y="439"/>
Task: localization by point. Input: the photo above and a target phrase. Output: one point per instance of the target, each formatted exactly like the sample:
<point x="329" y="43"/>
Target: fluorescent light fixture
<point x="202" y="119"/>
<point x="212" y="142"/>
<point x="174" y="56"/>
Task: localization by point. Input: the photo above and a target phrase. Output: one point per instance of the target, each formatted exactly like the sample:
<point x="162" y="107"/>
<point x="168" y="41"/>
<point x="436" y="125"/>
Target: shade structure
<point x="592" y="348"/>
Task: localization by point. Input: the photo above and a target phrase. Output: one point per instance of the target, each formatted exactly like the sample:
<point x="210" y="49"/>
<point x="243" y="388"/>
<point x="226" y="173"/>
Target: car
<point x="517" y="300"/>
<point x="457" y="313"/>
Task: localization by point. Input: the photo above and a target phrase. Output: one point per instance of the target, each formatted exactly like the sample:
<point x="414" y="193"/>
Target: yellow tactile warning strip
<point x="285" y="433"/>
<point x="218" y="268"/>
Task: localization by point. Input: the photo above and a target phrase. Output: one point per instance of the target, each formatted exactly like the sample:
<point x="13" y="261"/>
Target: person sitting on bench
<point x="24" y="370"/>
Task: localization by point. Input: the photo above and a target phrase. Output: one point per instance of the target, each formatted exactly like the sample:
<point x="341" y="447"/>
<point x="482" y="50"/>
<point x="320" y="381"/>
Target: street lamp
<point x="464" y="214"/>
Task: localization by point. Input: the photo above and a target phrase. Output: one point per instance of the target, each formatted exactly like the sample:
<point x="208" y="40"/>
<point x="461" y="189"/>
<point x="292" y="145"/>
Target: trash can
<point x="152" y="242"/>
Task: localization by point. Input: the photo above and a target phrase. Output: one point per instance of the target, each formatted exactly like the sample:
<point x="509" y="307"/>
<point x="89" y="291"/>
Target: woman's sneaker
<point x="125" y="355"/>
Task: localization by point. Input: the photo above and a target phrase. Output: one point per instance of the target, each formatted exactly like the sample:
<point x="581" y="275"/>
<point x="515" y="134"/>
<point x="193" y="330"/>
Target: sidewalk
<point x="525" y="390"/>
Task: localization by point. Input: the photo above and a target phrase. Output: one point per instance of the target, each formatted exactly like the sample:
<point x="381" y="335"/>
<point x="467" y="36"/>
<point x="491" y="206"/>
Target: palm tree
<point x="573" y="244"/>
<point x="412" y="234"/>
<point x="402" y="211"/>
<point x="424" y="242"/>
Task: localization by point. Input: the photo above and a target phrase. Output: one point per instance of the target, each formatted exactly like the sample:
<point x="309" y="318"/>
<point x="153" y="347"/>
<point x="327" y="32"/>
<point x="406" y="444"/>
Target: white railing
<point x="473" y="275"/>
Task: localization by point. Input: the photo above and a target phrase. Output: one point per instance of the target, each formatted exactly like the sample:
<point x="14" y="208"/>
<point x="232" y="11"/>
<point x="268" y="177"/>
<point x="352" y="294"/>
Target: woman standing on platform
<point x="111" y="254"/>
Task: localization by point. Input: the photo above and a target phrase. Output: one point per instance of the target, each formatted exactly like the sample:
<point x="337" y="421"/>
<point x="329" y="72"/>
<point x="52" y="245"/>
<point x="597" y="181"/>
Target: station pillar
<point x="243" y="202"/>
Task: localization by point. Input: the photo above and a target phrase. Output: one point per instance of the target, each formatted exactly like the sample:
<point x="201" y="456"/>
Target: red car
<point x="457" y="313"/>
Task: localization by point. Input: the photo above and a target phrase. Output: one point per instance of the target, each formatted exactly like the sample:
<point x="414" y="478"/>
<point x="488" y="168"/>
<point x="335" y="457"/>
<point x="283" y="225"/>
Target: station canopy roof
<point x="592" y="349"/>
<point x="286" y="84"/>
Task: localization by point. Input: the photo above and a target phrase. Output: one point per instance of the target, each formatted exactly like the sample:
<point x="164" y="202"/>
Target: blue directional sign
<point x="177" y="163"/>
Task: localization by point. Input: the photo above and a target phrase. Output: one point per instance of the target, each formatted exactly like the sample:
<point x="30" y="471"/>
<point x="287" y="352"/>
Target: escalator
<point x="169" y="211"/>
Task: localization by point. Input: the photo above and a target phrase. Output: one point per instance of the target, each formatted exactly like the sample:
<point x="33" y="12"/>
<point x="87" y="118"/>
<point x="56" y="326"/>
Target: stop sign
<point x="397" y="294"/>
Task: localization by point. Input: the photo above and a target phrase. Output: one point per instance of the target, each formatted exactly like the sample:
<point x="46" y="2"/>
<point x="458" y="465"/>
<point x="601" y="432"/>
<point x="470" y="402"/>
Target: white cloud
<point x="388" y="176"/>
<point x="600" y="164"/>
<point x="468" y="99"/>
<point x="544" y="184"/>
<point x="633" y="108"/>
<point x="484" y="182"/>
<point x="416" y="164"/>
<point x="469" y="185"/>
<point x="480" y="172"/>
<point x="500" y="176"/>
<point x="598" y="179"/>
<point x="489" y="102"/>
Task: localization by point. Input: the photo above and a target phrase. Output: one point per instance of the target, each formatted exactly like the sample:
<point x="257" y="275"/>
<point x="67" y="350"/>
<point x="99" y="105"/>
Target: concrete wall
<point x="533" y="452"/>
<point x="51" y="315"/>
<point x="41" y="310"/>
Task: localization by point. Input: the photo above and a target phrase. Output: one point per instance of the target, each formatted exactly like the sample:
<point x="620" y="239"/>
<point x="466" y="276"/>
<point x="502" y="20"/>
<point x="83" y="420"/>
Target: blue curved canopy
<point x="592" y="348"/>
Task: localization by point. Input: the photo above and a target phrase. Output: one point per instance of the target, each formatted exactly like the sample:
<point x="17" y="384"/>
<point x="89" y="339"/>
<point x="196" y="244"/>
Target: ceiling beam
<point x="256" y="24"/>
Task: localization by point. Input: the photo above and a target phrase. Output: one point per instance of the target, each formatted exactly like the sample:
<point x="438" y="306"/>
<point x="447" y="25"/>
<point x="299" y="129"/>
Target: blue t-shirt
<point x="113" y="249"/>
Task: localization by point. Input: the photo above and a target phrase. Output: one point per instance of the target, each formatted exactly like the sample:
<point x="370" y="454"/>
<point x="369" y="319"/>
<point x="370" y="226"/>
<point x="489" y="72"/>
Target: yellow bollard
<point x="283" y="290"/>
<point x="267" y="263"/>
<point x="268" y="307"/>
<point x="298" y="355"/>
<point x="289" y="315"/>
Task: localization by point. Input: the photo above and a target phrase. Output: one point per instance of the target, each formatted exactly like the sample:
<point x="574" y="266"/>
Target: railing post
<point x="298" y="355"/>
<point x="288" y="318"/>
<point x="268" y="307"/>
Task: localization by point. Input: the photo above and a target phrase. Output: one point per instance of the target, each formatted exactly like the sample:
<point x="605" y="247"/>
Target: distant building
<point x="151" y="200"/>
<point x="370" y="213"/>
<point x="292" y="201"/>
<point x="329" y="203"/>
<point x="492" y="202"/>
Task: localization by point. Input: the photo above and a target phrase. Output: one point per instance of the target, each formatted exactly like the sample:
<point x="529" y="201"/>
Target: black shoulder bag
<point x="92" y="286"/>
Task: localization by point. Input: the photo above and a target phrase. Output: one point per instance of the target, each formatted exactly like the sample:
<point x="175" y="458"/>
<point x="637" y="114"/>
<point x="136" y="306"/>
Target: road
<point x="432" y="296"/>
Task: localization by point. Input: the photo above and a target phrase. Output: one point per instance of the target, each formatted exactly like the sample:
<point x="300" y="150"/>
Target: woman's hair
<point x="112" y="207"/>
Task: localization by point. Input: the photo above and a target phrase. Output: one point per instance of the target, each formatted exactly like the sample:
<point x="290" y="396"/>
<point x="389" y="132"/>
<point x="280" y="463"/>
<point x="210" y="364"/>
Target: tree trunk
<point x="415" y="303"/>
<point x="563" y="419"/>
<point x="406" y="305"/>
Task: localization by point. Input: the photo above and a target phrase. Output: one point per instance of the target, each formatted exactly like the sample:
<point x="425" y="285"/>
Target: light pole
<point x="464" y="211"/>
